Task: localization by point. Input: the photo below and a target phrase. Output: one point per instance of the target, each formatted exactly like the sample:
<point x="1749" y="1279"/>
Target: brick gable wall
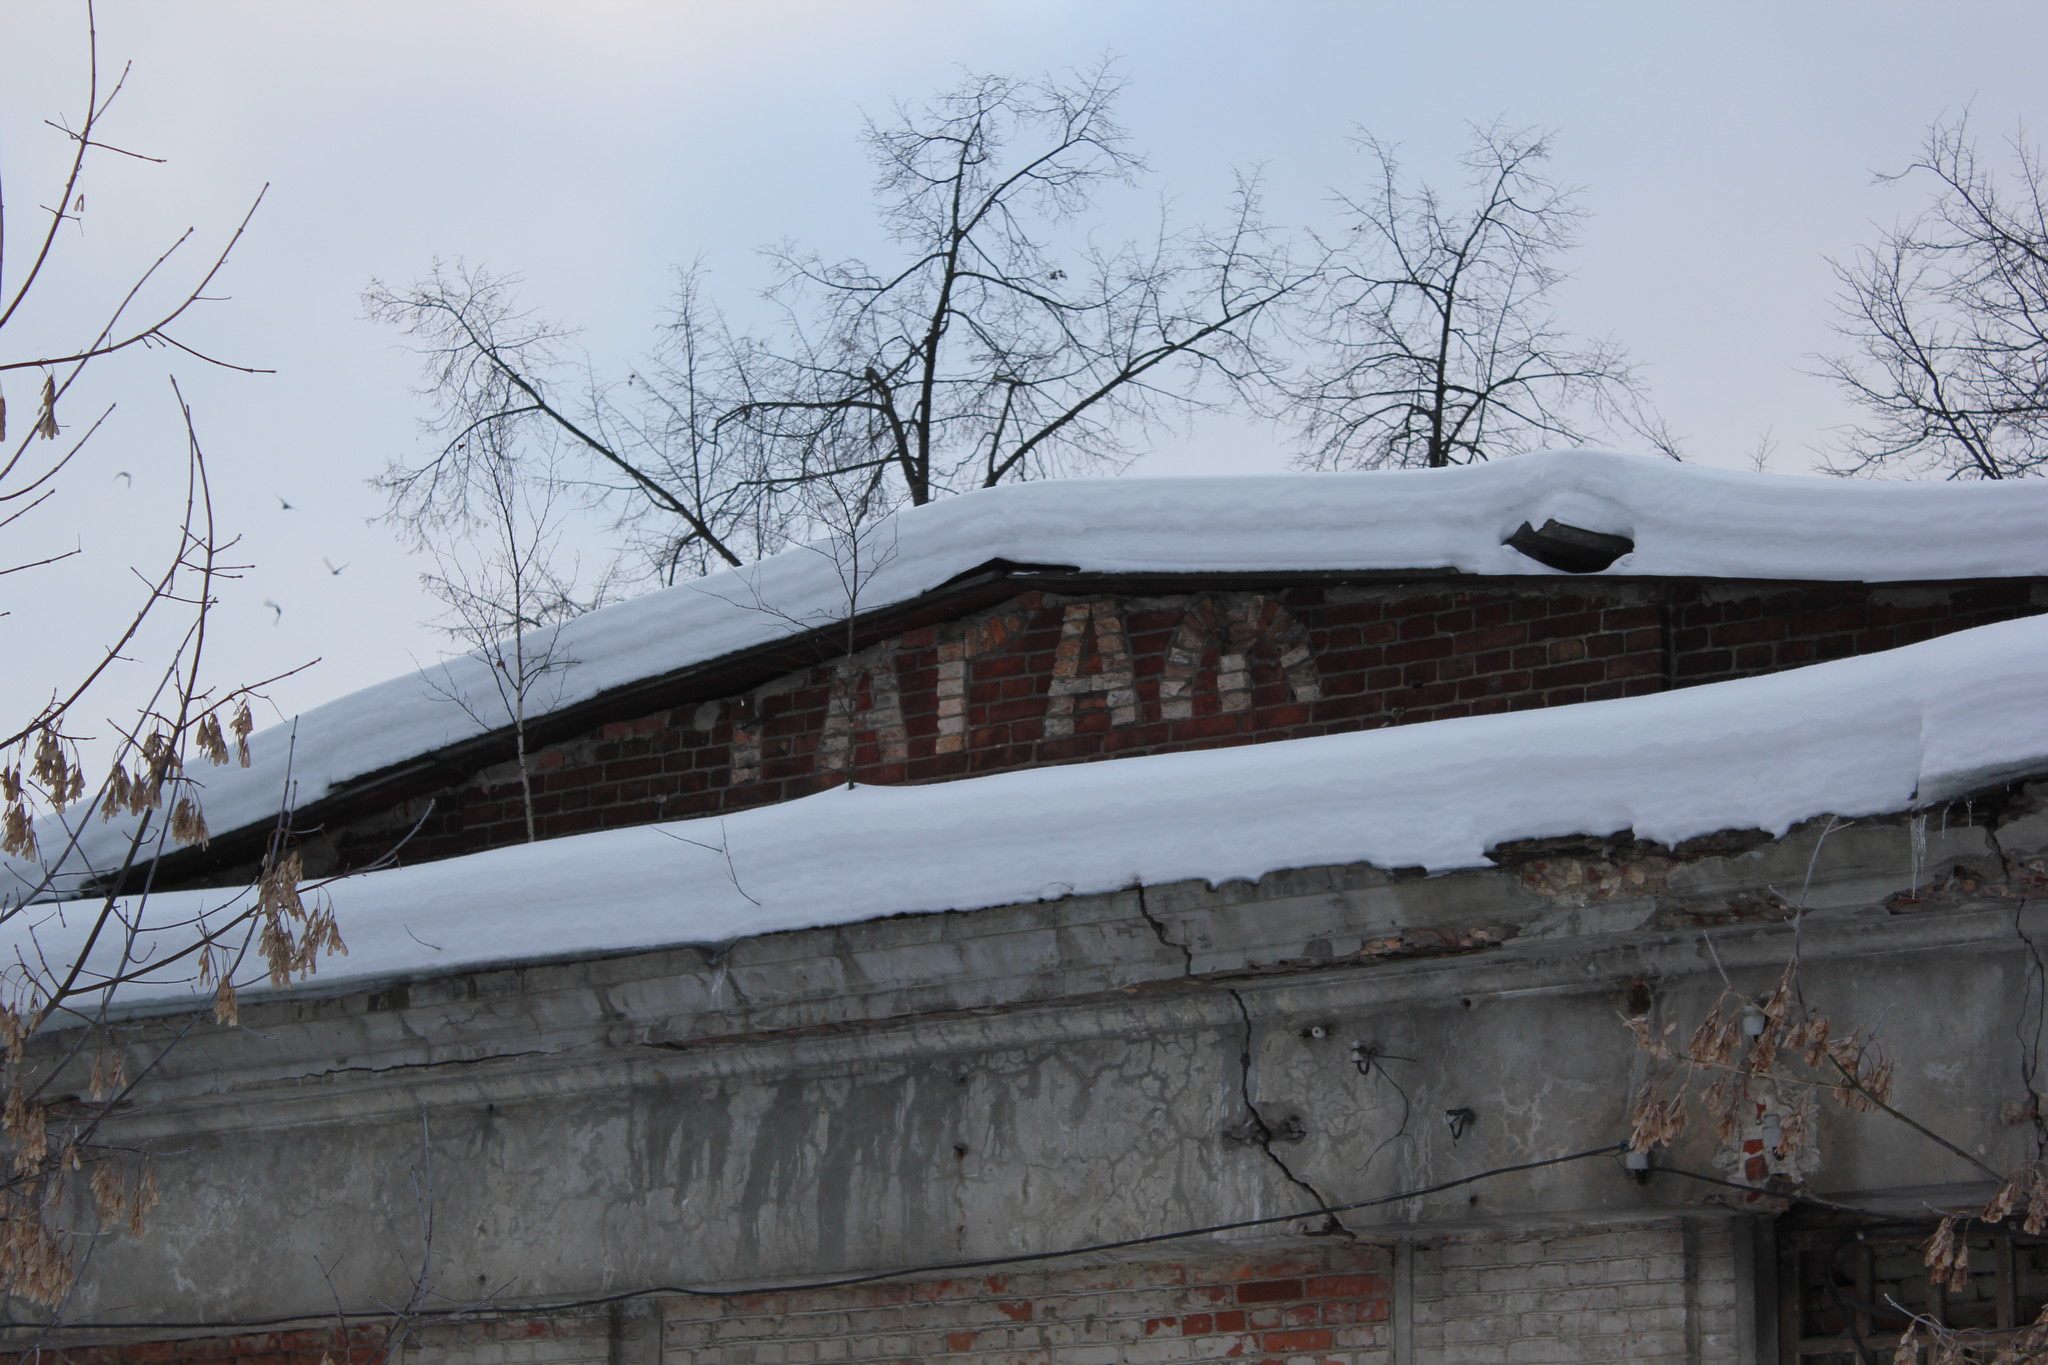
<point x="1046" y="679"/>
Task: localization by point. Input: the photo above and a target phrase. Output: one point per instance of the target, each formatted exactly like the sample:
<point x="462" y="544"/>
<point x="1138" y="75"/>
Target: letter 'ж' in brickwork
<point x="1245" y="618"/>
<point x="977" y="639"/>
<point x="883" y="717"/>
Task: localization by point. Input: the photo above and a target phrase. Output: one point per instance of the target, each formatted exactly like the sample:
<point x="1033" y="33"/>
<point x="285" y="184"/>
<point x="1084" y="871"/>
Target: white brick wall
<point x="1651" y="1293"/>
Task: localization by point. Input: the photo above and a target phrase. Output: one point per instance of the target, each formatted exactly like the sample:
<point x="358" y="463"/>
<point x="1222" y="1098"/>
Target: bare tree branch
<point x="1431" y="337"/>
<point x="1002" y="344"/>
<point x="83" y="930"/>
<point x="1948" y="319"/>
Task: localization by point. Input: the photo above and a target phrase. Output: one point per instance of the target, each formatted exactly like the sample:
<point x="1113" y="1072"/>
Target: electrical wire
<point x="311" y="1320"/>
<point x="1801" y="1198"/>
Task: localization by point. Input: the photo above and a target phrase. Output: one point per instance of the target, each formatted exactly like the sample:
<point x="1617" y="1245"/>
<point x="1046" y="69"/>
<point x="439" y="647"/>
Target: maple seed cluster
<point x="41" y="1148"/>
<point x="1742" y="1044"/>
<point x="1782" y="1043"/>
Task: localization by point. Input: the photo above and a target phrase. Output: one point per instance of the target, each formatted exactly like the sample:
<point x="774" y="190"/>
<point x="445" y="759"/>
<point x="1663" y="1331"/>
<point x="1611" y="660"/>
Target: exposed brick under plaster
<point x="1327" y="1306"/>
<point x="1045" y="679"/>
<point x="1659" y="1293"/>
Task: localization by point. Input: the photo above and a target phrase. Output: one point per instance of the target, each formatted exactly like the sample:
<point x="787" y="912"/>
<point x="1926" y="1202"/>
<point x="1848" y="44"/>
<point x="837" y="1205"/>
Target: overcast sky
<point x="1726" y="151"/>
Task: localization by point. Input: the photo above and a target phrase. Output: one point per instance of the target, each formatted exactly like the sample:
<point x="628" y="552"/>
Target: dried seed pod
<point x="1797" y="1126"/>
<point x="2006" y="1199"/>
<point x="1733" y="1104"/>
<point x="1708" y="1042"/>
<point x="144" y="1200"/>
<point x="1655" y="1121"/>
<point x="1947" y="1256"/>
<point x="13" y="1033"/>
<point x="210" y="741"/>
<point x="1940" y="1248"/>
<point x="1764" y="1055"/>
<point x="1815" y="1050"/>
<point x="108" y="1196"/>
<point x="1646" y="1038"/>
<point x="1779" y="1004"/>
<point x="51" y="767"/>
<point x="17" y="832"/>
<point x="120" y="793"/>
<point x="161" y="755"/>
<point x="188" y="824"/>
<point x="241" y="725"/>
<point x="2036" y="1220"/>
<point x="1879" y="1082"/>
<point x="28" y="1125"/>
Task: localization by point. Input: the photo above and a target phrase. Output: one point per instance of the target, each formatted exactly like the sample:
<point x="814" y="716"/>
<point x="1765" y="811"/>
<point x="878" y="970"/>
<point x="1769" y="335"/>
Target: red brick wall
<point x="578" y="1338"/>
<point x="1044" y="680"/>
<point x="1330" y="1306"/>
<point x="1718" y="633"/>
<point x="358" y="1345"/>
<point x="1325" y="1307"/>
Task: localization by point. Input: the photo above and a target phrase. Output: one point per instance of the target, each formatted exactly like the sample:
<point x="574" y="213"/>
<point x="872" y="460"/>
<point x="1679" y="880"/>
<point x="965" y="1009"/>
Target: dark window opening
<point x="1846" y="1285"/>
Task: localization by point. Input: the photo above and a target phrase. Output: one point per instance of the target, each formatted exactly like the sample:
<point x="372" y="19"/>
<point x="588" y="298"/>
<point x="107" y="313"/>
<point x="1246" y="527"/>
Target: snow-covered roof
<point x="1880" y="733"/>
<point x="1686" y="521"/>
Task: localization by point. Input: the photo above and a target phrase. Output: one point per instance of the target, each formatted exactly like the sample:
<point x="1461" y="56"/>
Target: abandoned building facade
<point x="1239" y="919"/>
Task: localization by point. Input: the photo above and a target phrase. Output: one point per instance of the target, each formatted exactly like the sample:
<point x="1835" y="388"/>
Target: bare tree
<point x="997" y="344"/>
<point x="80" y="924"/>
<point x="1431" y="340"/>
<point x="501" y="379"/>
<point x="508" y="594"/>
<point x="1948" y="315"/>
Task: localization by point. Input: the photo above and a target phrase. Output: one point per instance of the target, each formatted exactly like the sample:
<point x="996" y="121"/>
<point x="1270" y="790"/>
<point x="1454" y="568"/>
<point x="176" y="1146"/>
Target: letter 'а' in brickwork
<point x="1116" y="681"/>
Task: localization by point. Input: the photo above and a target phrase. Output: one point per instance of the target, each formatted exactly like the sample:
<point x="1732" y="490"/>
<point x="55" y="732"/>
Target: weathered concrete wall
<point x="933" y="1089"/>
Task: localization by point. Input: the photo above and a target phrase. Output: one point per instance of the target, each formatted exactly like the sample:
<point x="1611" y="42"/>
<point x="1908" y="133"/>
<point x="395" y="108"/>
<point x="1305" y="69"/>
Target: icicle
<point x="1918" y="825"/>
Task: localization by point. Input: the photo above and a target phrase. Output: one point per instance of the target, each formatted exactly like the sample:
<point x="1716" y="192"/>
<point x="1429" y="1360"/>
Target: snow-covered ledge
<point x="1908" y="728"/>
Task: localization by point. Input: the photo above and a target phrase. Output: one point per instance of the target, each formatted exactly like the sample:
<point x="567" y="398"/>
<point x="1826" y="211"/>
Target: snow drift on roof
<point x="1861" y="736"/>
<point x="1686" y="521"/>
